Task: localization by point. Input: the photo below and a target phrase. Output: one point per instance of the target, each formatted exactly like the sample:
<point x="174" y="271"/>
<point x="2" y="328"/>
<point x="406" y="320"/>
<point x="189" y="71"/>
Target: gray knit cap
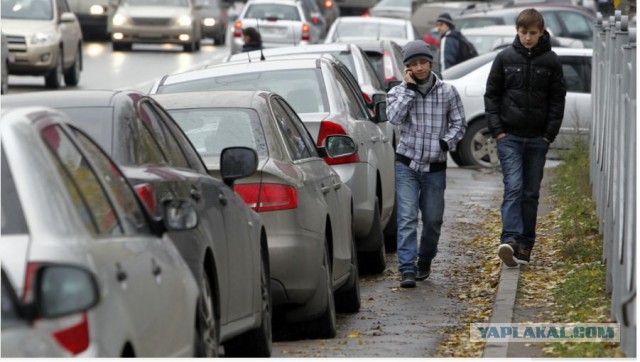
<point x="415" y="50"/>
<point x="446" y="18"/>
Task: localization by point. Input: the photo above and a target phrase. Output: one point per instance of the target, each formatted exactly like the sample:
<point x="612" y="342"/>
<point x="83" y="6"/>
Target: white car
<point x="477" y="147"/>
<point x="347" y="28"/>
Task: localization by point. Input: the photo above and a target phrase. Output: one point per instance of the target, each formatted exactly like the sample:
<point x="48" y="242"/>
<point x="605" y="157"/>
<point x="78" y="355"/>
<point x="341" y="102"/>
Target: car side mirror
<point x="381" y="112"/>
<point x="62" y="290"/>
<point x="180" y="215"/>
<point x="236" y="163"/>
<point x="392" y="84"/>
<point x="379" y="98"/>
<point x="67" y="17"/>
<point x="336" y="146"/>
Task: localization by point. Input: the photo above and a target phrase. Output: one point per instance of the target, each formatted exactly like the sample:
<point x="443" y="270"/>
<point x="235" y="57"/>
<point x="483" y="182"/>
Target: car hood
<point x="153" y="11"/>
<point x="26" y="27"/>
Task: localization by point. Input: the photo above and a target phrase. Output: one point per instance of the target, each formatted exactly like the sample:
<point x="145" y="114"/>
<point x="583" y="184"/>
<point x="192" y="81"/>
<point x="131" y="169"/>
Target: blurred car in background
<point x="424" y="17"/>
<point x="64" y="202"/>
<point x="490" y="38"/>
<point x="478" y="148"/>
<point x="44" y="38"/>
<point x="385" y="57"/>
<point x="347" y="28"/>
<point x="398" y="9"/>
<point x="156" y="22"/>
<point x="280" y="23"/>
<point x="328" y="100"/>
<point x="226" y="251"/>
<point x="330" y="10"/>
<point x="19" y="338"/>
<point x="94" y="16"/>
<point x="304" y="205"/>
<point x="213" y="17"/>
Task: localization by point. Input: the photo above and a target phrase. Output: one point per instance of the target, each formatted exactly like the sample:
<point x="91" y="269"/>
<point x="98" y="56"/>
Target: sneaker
<point x="408" y="280"/>
<point x="506" y="253"/>
<point x="523" y="254"/>
<point x="424" y="269"/>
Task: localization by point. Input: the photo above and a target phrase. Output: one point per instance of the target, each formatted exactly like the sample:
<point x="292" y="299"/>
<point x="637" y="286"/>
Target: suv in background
<point x="93" y="15"/>
<point x="44" y="38"/>
<point x="213" y="18"/>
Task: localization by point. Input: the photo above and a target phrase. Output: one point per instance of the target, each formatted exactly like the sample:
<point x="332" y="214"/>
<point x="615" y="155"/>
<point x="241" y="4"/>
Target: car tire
<point x="256" y="342"/>
<point x="220" y="39"/>
<point x="5" y="79"/>
<point x="324" y="327"/>
<point x="477" y="147"/>
<point x="121" y="47"/>
<point x="53" y="79"/>
<point x="207" y="336"/>
<point x="374" y="262"/>
<point x="391" y="231"/>
<point x="72" y="75"/>
<point x="348" y="297"/>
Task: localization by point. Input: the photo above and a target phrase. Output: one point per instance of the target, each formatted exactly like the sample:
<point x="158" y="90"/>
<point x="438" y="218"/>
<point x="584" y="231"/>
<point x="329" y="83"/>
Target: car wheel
<point x="348" y="297"/>
<point x="374" y="262"/>
<point x="256" y="342"/>
<point x="391" y="231"/>
<point x="5" y="78"/>
<point x="477" y="147"/>
<point x="72" y="75"/>
<point x="189" y="48"/>
<point x="54" y="78"/>
<point x="324" y="326"/>
<point x="121" y="46"/>
<point x="206" y="327"/>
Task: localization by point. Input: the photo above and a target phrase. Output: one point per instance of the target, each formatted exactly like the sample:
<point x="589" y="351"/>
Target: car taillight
<point x="366" y="98"/>
<point x="305" y="33"/>
<point x="268" y="197"/>
<point x="148" y="196"/>
<point x="329" y="128"/>
<point x="27" y="293"/>
<point x="388" y="67"/>
<point x="328" y="4"/>
<point x="314" y="20"/>
<point x="74" y="338"/>
<point x="366" y="14"/>
<point x="237" y="29"/>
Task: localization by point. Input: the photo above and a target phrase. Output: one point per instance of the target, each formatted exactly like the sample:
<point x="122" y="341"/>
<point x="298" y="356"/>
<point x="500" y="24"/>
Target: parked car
<point x="227" y="250"/>
<point x="323" y="93"/>
<point x="19" y="338"/>
<point x="213" y="17"/>
<point x="44" y="38"/>
<point x="347" y="28"/>
<point x="397" y="9"/>
<point x="93" y="15"/>
<point x="477" y="147"/>
<point x="6" y="57"/>
<point x="490" y="38"/>
<point x="563" y="20"/>
<point x="280" y="23"/>
<point x="64" y="202"/>
<point x="156" y="22"/>
<point x="304" y="205"/>
<point x="385" y="57"/>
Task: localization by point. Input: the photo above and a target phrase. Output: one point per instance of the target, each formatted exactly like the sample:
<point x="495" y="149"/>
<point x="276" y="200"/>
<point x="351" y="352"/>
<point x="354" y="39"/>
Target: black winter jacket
<point x="525" y="93"/>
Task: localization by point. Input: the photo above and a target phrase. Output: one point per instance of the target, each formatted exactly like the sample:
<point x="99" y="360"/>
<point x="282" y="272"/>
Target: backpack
<point x="466" y="49"/>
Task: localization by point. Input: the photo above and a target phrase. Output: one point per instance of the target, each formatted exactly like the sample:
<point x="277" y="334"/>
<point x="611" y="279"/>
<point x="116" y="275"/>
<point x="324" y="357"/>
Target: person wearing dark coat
<point x="524" y="105"/>
<point x="252" y="40"/>
<point x="449" y="43"/>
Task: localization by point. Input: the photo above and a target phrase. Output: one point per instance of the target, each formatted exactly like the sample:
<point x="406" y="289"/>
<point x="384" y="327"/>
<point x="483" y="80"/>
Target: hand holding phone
<point x="408" y="76"/>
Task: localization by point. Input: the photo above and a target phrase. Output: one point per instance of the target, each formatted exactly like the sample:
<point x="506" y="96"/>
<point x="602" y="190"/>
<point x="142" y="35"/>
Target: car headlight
<point x="97" y="10"/>
<point x="209" y="21"/>
<point x="184" y="20"/>
<point x="41" y="38"/>
<point x="119" y="19"/>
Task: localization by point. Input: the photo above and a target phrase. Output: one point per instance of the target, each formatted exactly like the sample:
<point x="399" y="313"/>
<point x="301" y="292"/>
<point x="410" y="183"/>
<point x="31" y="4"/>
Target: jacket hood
<point x="544" y="44"/>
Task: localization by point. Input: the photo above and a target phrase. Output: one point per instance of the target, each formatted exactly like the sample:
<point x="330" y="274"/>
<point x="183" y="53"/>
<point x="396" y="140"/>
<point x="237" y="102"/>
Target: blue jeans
<point x="415" y="191"/>
<point x="522" y="161"/>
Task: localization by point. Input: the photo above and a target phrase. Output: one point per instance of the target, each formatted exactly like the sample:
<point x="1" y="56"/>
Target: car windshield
<point x="27" y="9"/>
<point x="272" y="11"/>
<point x="178" y="3"/>
<point x="487" y="43"/>
<point x="399" y="3"/>
<point x="302" y="88"/>
<point x="368" y="30"/>
<point x="464" y="68"/>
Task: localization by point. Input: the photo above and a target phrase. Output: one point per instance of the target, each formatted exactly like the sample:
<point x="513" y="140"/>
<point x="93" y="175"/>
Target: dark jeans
<point x="522" y="161"/>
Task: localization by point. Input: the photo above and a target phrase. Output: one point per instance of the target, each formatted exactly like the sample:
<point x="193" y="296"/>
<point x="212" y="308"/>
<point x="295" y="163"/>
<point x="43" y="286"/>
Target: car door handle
<point x="325" y="189"/>
<point x="195" y="193"/>
<point x="223" y="199"/>
<point x="385" y="139"/>
<point x="121" y="275"/>
<point x="375" y="139"/>
<point x="337" y="185"/>
<point x="155" y="268"/>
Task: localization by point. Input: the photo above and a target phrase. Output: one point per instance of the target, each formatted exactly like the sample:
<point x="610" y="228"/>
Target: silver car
<point x="327" y="99"/>
<point x="346" y="28"/>
<point x="65" y="202"/>
<point x="280" y="23"/>
<point x="304" y="205"/>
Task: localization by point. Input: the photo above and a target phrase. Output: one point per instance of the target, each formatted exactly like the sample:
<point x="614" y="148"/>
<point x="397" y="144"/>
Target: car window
<point x="113" y="178"/>
<point x="375" y="57"/>
<point x="272" y="11"/>
<point x="302" y="130"/>
<point x="297" y="148"/>
<point x="360" y="104"/>
<point x="352" y="29"/>
<point x="577" y="73"/>
<point x="27" y="9"/>
<point x="97" y="122"/>
<point x="578" y="26"/>
<point x="85" y="189"/>
<point x="143" y="147"/>
<point x="348" y="98"/>
<point x="552" y="23"/>
<point x="62" y="5"/>
<point x="161" y="133"/>
<point x="213" y="129"/>
<point x="370" y="73"/>
<point x="478" y="22"/>
<point x="305" y="11"/>
<point x="13" y="221"/>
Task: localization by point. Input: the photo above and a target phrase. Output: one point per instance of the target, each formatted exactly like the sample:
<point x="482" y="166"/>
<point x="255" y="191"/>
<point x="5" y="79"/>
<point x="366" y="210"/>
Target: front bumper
<point x="152" y="34"/>
<point x="33" y="59"/>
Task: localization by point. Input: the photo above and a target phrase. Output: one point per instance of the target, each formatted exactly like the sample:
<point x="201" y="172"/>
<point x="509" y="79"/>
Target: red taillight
<point x="314" y="20"/>
<point x="75" y="338"/>
<point x="366" y="14"/>
<point x="268" y="197"/>
<point x="27" y="293"/>
<point x="237" y="29"/>
<point x="148" y="196"/>
<point x="329" y="128"/>
<point x="305" y="33"/>
<point x="388" y="67"/>
<point x="328" y="4"/>
<point x="366" y="98"/>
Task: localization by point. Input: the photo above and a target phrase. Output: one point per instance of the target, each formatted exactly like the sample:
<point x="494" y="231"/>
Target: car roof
<point x="291" y="50"/>
<point x="211" y="99"/>
<point x="66" y="98"/>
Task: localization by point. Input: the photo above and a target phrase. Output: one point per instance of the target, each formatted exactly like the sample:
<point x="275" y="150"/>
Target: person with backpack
<point x="454" y="47"/>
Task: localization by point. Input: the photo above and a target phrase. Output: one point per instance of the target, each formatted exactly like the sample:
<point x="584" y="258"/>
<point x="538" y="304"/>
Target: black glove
<point x="444" y="146"/>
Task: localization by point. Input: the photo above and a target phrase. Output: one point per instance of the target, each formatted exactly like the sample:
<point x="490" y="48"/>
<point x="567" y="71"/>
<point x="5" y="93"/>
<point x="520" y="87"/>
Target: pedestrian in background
<point x="524" y="103"/>
<point x="252" y="39"/>
<point x="430" y="117"/>
<point x="449" y="41"/>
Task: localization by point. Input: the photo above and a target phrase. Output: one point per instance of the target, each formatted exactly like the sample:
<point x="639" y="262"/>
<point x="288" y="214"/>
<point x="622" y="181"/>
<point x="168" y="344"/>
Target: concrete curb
<point x="503" y="309"/>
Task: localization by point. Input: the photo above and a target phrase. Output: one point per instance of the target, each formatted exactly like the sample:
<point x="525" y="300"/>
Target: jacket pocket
<point x="540" y="78"/>
<point x="514" y="76"/>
